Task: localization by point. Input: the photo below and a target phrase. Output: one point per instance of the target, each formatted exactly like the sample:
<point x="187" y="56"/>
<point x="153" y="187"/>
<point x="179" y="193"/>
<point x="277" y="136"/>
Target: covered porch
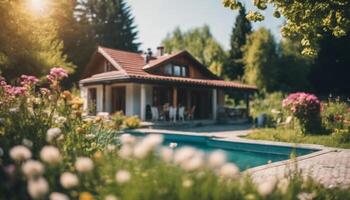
<point x="206" y="103"/>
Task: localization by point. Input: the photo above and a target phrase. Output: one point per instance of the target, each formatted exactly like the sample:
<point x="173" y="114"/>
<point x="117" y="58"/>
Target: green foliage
<point x="201" y="44"/>
<point x="259" y="56"/>
<point x="265" y="102"/>
<point x="234" y="68"/>
<point x="29" y="43"/>
<point x="335" y="114"/>
<point x="308" y="19"/>
<point x="295" y="136"/>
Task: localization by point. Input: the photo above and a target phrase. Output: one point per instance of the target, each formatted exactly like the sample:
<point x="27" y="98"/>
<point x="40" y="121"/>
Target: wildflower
<point x="27" y="143"/>
<point x="84" y="164"/>
<point x="196" y="162"/>
<point x="147" y="145"/>
<point x="44" y="91"/>
<point x="127" y="139"/>
<point x="167" y="154"/>
<point x="85" y="196"/>
<point x="111" y="147"/>
<point x="229" y="170"/>
<point x="58" y="196"/>
<point x="28" y="80"/>
<point x="183" y="154"/>
<point x="267" y="187"/>
<point x="187" y="183"/>
<point x="173" y="145"/>
<point x="15" y="91"/>
<point x="13" y="110"/>
<point x="217" y="159"/>
<point x="57" y="74"/>
<point x="283" y="185"/>
<point x="306" y="196"/>
<point x="125" y="152"/>
<point x="52" y="134"/>
<point x="37" y="188"/>
<point x="60" y="120"/>
<point x="111" y="197"/>
<point x="122" y="176"/>
<point x="90" y="136"/>
<point x="32" y="168"/>
<point x="69" y="180"/>
<point x="20" y="153"/>
<point x="50" y="155"/>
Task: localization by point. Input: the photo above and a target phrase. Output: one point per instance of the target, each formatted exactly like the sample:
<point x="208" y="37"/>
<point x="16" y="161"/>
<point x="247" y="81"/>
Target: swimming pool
<point x="244" y="155"/>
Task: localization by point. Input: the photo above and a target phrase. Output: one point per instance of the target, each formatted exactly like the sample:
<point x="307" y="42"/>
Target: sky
<point x="156" y="18"/>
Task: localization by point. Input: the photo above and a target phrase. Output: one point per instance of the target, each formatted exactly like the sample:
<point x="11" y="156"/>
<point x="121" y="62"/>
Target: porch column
<point x="143" y="103"/>
<point x="215" y="104"/>
<point x="174" y="97"/>
<point x="247" y="104"/>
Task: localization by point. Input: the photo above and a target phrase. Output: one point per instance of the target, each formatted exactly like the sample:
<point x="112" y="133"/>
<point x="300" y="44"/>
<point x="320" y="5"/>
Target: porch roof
<point x="117" y="76"/>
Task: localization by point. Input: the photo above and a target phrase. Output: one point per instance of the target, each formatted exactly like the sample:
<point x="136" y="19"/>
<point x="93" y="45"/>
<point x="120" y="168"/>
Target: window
<point x="175" y="70"/>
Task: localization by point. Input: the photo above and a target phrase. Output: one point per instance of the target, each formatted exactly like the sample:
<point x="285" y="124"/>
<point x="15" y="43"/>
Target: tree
<point x="113" y="24"/>
<point x="308" y="19"/>
<point x="330" y="72"/>
<point x="234" y="68"/>
<point x="29" y="43"/>
<point x="259" y="56"/>
<point x="200" y="43"/>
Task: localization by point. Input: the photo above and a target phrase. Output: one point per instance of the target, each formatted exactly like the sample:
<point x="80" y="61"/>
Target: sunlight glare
<point x="37" y="6"/>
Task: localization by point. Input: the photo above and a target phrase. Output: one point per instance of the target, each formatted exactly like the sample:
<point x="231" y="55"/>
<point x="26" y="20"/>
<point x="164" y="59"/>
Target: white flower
<point x="84" y="164"/>
<point x="111" y="197"/>
<point x="60" y="120"/>
<point x="194" y="163"/>
<point x="306" y="196"/>
<point x="122" y="176"/>
<point x="13" y="110"/>
<point x="217" y="159"/>
<point x="50" y="155"/>
<point x="111" y="147"/>
<point x="153" y="140"/>
<point x="173" y="145"/>
<point x="52" y="134"/>
<point x="167" y="154"/>
<point x="127" y="139"/>
<point x="27" y="143"/>
<point x="89" y="136"/>
<point x="147" y="145"/>
<point x="20" y="153"/>
<point x="37" y="188"/>
<point x="69" y="180"/>
<point x="125" y="152"/>
<point x="183" y="154"/>
<point x="58" y="196"/>
<point x="187" y="183"/>
<point x="229" y="170"/>
<point x="267" y="186"/>
<point x="32" y="168"/>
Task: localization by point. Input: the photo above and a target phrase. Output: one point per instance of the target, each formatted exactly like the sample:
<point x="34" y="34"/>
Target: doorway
<point x="118" y="99"/>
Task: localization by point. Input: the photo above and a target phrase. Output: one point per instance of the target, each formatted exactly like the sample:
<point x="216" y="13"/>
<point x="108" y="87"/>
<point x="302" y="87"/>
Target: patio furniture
<point x="285" y="123"/>
<point x="155" y="113"/>
<point x="182" y="113"/>
<point x="172" y="113"/>
<point x="190" y="114"/>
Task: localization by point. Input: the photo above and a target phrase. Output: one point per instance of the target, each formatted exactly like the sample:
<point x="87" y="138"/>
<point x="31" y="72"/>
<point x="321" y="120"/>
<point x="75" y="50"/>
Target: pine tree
<point x="113" y="24"/>
<point x="234" y="68"/>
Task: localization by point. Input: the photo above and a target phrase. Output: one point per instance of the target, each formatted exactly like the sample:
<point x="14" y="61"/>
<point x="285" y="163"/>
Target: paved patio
<point x="329" y="166"/>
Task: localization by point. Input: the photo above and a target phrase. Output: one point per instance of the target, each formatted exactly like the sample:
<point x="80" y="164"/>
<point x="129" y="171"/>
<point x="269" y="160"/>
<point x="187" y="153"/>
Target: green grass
<point x="293" y="136"/>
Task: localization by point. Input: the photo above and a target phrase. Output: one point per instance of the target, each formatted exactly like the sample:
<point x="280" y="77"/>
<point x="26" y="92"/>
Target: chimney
<point x="160" y="51"/>
<point x="147" y="55"/>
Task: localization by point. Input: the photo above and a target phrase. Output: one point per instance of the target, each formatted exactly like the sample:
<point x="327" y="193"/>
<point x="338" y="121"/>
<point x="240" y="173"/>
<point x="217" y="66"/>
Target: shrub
<point x="306" y="108"/>
<point x="118" y="120"/>
<point x="335" y="114"/>
<point x="132" y="122"/>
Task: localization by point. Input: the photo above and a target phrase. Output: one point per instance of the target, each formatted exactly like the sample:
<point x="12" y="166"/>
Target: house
<point x="116" y="80"/>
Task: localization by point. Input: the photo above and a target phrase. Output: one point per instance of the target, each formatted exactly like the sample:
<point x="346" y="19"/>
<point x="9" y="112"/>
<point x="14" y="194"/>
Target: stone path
<point x="329" y="166"/>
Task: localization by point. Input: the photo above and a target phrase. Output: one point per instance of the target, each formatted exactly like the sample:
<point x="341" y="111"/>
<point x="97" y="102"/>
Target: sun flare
<point x="37" y="6"/>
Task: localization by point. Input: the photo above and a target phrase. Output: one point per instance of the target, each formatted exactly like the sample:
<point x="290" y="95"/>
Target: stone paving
<point x="329" y="166"/>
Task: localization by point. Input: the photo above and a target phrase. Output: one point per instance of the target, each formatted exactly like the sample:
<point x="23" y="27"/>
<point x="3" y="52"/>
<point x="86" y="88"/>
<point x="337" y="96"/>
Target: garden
<point x="312" y="121"/>
<point x="51" y="150"/>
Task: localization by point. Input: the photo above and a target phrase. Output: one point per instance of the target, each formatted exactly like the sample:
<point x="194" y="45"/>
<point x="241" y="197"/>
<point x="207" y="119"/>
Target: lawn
<point x="293" y="136"/>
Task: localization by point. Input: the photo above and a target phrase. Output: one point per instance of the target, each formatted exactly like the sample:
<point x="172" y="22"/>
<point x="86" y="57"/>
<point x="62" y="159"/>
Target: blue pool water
<point x="244" y="155"/>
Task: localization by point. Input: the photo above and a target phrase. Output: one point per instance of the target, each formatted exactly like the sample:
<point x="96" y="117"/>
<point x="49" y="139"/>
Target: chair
<point x="286" y="123"/>
<point x="172" y="113"/>
<point x="155" y="113"/>
<point x="190" y="114"/>
<point x="182" y="113"/>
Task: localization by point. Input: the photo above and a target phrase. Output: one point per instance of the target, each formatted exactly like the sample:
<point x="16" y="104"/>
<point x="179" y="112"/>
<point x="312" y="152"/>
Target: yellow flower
<point x="79" y="130"/>
<point x="98" y="155"/>
<point x="85" y="196"/>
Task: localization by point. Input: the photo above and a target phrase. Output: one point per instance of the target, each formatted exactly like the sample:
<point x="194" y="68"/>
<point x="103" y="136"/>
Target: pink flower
<point x="57" y="74"/>
<point x="15" y="91"/>
<point x="28" y="80"/>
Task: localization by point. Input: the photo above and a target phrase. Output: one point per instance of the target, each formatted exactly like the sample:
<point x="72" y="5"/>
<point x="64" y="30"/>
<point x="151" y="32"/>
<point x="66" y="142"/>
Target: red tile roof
<point x="132" y="66"/>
